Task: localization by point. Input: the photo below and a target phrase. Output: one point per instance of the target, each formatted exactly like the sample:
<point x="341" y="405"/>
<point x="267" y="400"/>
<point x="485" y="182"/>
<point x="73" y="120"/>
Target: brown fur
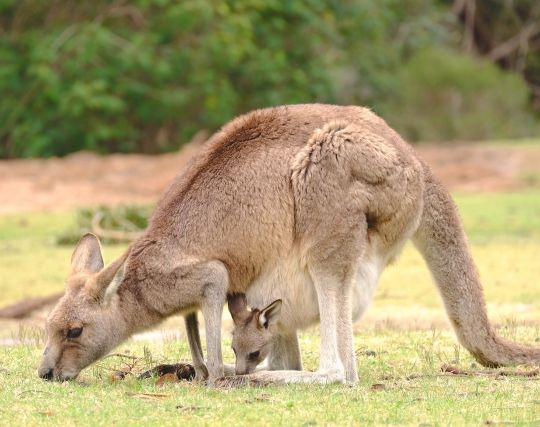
<point x="312" y="191"/>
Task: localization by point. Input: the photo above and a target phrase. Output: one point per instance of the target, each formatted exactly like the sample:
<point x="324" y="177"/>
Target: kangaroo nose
<point x="46" y="375"/>
<point x="241" y="371"/>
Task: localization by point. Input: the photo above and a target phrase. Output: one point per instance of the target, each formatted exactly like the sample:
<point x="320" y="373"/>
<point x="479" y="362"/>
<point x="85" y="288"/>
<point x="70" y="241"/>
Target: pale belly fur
<point x="290" y="282"/>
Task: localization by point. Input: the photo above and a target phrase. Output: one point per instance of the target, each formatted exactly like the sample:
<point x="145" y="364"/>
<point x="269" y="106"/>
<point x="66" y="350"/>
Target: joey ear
<point x="87" y="256"/>
<point x="108" y="279"/>
<point x="270" y="315"/>
<point x="237" y="304"/>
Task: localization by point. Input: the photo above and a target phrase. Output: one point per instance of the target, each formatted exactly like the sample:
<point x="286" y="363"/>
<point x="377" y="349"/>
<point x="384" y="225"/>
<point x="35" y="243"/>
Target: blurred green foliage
<point x="450" y="95"/>
<point x="144" y="76"/>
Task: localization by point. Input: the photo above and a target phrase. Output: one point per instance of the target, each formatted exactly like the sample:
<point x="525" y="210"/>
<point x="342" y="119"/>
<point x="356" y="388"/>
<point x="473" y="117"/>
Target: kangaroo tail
<point x="442" y="242"/>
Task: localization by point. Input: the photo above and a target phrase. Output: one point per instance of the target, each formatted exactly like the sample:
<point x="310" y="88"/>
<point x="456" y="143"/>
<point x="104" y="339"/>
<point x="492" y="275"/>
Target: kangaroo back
<point x="441" y="240"/>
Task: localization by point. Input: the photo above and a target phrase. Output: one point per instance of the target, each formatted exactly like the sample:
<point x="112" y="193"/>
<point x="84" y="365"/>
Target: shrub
<point x="445" y="95"/>
<point x="144" y="76"/>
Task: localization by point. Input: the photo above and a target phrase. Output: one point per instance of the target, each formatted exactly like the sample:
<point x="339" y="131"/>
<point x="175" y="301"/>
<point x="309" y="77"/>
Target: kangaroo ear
<point x="237" y="304"/>
<point x="270" y="315"/>
<point x="87" y="256"/>
<point x="108" y="279"/>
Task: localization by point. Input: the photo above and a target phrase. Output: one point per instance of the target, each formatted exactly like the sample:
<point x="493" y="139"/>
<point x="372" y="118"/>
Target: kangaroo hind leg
<point x="285" y="353"/>
<point x="333" y="271"/>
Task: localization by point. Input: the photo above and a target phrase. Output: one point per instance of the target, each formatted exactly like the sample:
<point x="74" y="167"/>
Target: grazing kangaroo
<point x="90" y="305"/>
<point x="310" y="196"/>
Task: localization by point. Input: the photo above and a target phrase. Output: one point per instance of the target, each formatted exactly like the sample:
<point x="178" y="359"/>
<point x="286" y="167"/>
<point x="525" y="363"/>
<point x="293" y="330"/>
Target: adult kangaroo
<point x="310" y="196"/>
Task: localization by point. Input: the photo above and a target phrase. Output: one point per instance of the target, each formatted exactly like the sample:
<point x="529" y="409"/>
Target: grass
<point x="505" y="236"/>
<point x="500" y="216"/>
<point x="401" y="384"/>
<point x="526" y="143"/>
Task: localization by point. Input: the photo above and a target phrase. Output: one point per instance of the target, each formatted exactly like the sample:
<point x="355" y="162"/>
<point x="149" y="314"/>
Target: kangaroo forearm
<point x="194" y="340"/>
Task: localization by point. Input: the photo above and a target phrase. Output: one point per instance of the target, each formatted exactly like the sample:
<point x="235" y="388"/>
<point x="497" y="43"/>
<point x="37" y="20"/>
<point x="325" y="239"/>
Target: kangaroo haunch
<point x="307" y="203"/>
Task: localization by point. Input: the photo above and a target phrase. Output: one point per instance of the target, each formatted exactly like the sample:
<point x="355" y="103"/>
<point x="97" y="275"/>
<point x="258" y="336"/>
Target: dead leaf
<point x="117" y="376"/>
<point x="378" y="387"/>
<point x="453" y="370"/>
<point x="264" y="397"/>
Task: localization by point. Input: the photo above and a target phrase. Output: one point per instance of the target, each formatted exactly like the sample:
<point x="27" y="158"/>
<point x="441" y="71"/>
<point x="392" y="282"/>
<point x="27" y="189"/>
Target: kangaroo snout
<point x="48" y="374"/>
<point x="241" y="369"/>
<point x="52" y="369"/>
<point x="45" y="374"/>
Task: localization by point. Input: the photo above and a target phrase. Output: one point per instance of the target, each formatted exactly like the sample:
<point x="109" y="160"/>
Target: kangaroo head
<point x="253" y="332"/>
<point x="86" y="322"/>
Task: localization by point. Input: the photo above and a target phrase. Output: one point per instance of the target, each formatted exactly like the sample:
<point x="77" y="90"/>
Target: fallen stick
<point x="25" y="307"/>
<point x="495" y="373"/>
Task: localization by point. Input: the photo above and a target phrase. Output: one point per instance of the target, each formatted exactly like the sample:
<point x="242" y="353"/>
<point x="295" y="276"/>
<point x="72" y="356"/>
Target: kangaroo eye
<point x="74" y="333"/>
<point x="254" y="356"/>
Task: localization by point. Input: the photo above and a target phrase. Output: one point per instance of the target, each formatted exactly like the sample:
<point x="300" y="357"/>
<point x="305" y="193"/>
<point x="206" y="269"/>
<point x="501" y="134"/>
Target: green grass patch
<point x="509" y="271"/>
<point x="500" y="216"/>
<point x="526" y="143"/>
<point x="410" y="389"/>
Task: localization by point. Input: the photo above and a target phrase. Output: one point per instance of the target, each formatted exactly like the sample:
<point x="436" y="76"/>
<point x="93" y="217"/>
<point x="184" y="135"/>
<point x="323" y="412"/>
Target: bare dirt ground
<point x="86" y="179"/>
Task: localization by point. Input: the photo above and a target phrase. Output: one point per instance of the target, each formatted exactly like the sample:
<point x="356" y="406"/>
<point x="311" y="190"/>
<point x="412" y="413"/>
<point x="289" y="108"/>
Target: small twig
<point x="148" y="395"/>
<point x="128" y="356"/>
<point x="111" y="234"/>
<point x="453" y="370"/>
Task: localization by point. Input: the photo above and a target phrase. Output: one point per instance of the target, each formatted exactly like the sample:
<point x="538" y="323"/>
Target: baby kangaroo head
<point x="253" y="333"/>
<point x="86" y="322"/>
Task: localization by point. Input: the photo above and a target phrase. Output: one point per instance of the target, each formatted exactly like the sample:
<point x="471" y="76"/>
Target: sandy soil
<point x="85" y="179"/>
